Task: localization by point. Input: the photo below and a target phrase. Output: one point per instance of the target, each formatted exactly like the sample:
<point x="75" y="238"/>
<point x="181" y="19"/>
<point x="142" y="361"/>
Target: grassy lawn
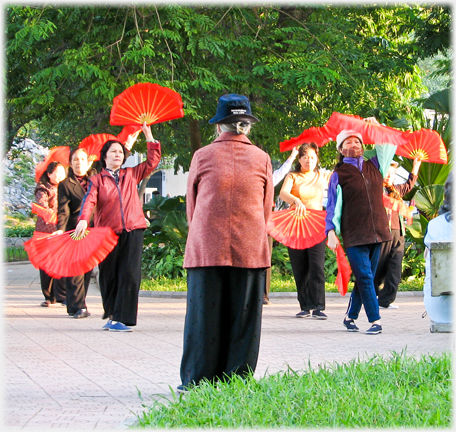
<point x="398" y="392"/>
<point x="279" y="283"/>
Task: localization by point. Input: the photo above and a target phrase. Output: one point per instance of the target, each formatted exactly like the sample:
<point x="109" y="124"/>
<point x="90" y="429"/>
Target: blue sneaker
<point x="350" y="325"/>
<point x="375" y="329"/>
<point x="107" y="326"/>
<point x="120" y="327"/>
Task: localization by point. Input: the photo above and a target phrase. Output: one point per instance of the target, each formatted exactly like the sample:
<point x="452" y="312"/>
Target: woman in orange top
<point x="304" y="189"/>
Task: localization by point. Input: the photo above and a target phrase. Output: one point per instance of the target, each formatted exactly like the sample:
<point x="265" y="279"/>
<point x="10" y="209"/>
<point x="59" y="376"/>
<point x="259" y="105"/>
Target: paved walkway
<point x="63" y="373"/>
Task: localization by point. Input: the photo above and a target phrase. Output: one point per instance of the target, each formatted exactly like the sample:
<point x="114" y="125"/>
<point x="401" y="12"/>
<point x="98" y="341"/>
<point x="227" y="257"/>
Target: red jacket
<point x="118" y="206"/>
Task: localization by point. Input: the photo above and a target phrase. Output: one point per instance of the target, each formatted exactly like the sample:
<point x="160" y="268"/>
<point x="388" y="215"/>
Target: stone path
<point x="63" y="373"/>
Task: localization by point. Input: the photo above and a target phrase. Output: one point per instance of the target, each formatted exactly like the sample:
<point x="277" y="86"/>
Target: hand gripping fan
<point x="398" y="206"/>
<point x="318" y="135"/>
<point x="146" y="102"/>
<point x="94" y="143"/>
<point x="343" y="270"/>
<point x="371" y="133"/>
<point x="425" y="144"/>
<point x="57" y="154"/>
<point x="63" y="255"/>
<point x="47" y="214"/>
<point x="297" y="232"/>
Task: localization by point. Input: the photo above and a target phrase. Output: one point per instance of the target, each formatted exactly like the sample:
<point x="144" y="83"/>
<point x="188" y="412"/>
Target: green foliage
<point x="19" y="231"/>
<point x="280" y="259"/>
<point x="397" y="392"/>
<point x="297" y="64"/>
<point x="413" y="263"/>
<point x="13" y="254"/>
<point x="162" y="262"/>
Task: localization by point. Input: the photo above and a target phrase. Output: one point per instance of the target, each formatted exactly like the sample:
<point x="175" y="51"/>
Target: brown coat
<point x="229" y="200"/>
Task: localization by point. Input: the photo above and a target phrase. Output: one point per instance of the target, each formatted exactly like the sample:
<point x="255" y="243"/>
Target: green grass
<point x="279" y="283"/>
<point x="12" y="254"/>
<point x="400" y="391"/>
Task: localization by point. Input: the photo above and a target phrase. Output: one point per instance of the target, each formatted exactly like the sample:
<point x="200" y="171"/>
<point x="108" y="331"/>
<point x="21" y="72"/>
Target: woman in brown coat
<point x="46" y="196"/>
<point x="229" y="200"/>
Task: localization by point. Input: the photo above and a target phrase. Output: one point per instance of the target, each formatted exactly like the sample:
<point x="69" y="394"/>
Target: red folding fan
<point x="318" y="135"/>
<point x="63" y="255"/>
<point x="94" y="143"/>
<point x="29" y="247"/>
<point x="57" y="154"/>
<point x="343" y="270"/>
<point x="297" y="232"/>
<point x="426" y="144"/>
<point x="146" y="102"/>
<point x="371" y="133"/>
<point x="398" y="206"/>
<point x="128" y="130"/>
<point x="47" y="214"/>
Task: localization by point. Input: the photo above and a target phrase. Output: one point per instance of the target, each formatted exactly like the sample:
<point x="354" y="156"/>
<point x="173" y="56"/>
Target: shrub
<point x="160" y="261"/>
<point x="19" y="231"/>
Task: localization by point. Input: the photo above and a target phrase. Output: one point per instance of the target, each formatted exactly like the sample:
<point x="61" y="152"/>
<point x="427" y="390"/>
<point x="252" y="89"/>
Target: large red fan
<point x="318" y="135"/>
<point x="57" y="154"/>
<point x="146" y="102"/>
<point x="47" y="214"/>
<point x="29" y="247"/>
<point x="94" y="143"/>
<point x="371" y="133"/>
<point x="343" y="270"/>
<point x="297" y="232"/>
<point x="425" y="144"/>
<point x="63" y="255"/>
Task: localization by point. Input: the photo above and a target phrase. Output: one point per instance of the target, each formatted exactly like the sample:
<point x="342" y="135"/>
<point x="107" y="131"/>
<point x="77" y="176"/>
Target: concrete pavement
<point x="64" y="373"/>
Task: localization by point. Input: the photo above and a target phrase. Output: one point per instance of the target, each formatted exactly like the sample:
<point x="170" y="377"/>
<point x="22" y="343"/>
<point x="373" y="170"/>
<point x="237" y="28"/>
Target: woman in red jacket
<point x="114" y="195"/>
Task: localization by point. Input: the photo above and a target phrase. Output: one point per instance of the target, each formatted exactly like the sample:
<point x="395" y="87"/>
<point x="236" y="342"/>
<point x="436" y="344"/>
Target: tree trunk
<point x="195" y="135"/>
<point x="142" y="186"/>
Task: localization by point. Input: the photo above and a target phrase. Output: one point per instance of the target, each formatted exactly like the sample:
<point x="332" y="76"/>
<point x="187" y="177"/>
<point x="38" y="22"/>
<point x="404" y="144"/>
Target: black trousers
<point x="308" y="267"/>
<point x="222" y="323"/>
<point x="389" y="270"/>
<point x="120" y="278"/>
<point x="76" y="291"/>
<point x="268" y="270"/>
<point x="53" y="289"/>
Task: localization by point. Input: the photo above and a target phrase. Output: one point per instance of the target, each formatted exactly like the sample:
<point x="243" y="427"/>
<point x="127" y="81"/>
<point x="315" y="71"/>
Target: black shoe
<point x="375" y="329"/>
<point x="81" y="313"/>
<point x="182" y="389"/>
<point x="350" y="325"/>
<point x="266" y="301"/>
<point x="318" y="314"/>
<point x="303" y="314"/>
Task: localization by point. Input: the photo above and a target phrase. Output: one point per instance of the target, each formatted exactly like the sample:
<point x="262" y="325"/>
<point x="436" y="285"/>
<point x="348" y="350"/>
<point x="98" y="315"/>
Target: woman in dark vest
<point x="355" y="211"/>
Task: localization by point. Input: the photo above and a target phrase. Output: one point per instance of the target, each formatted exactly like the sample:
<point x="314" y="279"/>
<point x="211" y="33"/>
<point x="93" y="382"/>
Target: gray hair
<point x="447" y="206"/>
<point x="239" y="127"/>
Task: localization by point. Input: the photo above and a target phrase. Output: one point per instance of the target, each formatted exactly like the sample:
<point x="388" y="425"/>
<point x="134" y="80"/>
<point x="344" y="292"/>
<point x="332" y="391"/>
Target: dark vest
<point x="364" y="219"/>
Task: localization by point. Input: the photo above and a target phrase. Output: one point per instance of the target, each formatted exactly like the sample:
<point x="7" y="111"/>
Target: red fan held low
<point x="47" y="214"/>
<point x="63" y="255"/>
<point x="146" y="102"/>
<point x="297" y="232"/>
<point x="343" y="270"/>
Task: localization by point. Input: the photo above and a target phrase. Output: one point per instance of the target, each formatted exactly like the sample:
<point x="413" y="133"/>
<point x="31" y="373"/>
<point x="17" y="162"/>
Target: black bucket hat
<point x="233" y="108"/>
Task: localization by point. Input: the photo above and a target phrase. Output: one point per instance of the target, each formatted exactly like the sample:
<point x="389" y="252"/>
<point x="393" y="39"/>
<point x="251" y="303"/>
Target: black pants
<point x="53" y="289"/>
<point x="120" y="278"/>
<point x="308" y="267"/>
<point x="268" y="270"/>
<point x="76" y="291"/>
<point x="222" y="323"/>
<point x="389" y="270"/>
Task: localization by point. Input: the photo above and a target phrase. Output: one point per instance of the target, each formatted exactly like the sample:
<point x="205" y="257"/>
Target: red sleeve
<point x="192" y="188"/>
<point x="153" y="158"/>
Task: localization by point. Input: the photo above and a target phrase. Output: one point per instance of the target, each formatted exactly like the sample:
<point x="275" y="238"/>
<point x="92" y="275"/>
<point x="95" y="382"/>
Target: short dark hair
<point x="49" y="170"/>
<point x="105" y="149"/>
<point x="72" y="152"/>
<point x="302" y="150"/>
